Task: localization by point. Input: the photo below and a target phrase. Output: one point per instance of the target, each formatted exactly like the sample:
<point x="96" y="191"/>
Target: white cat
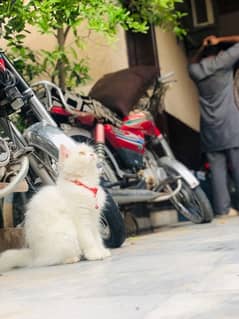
<point x="62" y="220"/>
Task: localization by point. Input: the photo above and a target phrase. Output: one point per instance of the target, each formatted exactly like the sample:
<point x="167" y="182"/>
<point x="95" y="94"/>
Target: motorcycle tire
<point x="112" y="226"/>
<point x="192" y="203"/>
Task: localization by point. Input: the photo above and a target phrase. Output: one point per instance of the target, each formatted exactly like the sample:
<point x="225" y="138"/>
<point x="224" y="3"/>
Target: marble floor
<point x="183" y="272"/>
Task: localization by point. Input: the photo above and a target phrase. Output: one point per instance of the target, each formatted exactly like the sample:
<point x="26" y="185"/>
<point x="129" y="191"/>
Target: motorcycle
<point x="29" y="154"/>
<point x="133" y="171"/>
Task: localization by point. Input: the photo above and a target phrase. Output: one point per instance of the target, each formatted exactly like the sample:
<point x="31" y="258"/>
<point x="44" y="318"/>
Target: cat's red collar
<point x="94" y="190"/>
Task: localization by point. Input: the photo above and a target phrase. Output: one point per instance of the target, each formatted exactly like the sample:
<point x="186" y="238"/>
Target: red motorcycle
<point x="132" y="170"/>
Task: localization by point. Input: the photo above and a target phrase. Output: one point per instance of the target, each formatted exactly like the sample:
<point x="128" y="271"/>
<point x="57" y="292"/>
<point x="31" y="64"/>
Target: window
<point x="202" y="13"/>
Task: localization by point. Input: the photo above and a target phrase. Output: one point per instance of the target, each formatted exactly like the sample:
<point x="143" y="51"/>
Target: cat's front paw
<point x="94" y="254"/>
<point x="72" y="260"/>
<point x="105" y="252"/>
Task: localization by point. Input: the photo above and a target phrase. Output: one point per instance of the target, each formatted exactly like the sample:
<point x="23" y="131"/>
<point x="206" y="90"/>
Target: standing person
<point x="212" y="72"/>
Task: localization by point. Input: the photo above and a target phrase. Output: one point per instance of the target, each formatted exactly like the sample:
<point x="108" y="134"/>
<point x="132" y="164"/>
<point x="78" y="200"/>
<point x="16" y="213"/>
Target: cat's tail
<point x="14" y="258"/>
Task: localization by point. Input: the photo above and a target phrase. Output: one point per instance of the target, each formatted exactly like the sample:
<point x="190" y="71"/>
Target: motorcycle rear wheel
<point x="112" y="225"/>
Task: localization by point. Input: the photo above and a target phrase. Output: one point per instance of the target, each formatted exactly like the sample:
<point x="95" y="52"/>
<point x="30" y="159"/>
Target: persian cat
<point x="62" y="220"/>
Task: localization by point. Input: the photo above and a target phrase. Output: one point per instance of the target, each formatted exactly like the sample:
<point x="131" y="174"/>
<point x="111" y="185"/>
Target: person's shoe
<point x="232" y="212"/>
<point x="221" y="216"/>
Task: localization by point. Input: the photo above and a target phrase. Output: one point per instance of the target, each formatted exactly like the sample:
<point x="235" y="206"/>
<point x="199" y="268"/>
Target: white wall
<point x="103" y="57"/>
<point x="182" y="98"/>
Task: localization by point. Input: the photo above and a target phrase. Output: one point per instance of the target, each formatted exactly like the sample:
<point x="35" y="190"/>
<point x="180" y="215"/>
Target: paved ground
<point x="187" y="271"/>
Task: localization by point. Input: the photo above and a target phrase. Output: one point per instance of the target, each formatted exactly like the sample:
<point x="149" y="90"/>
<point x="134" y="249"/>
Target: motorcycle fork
<point x="159" y="138"/>
<point x="102" y="152"/>
<point x="99" y="136"/>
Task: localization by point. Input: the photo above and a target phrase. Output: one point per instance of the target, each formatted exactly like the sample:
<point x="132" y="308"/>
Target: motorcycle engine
<point x="153" y="176"/>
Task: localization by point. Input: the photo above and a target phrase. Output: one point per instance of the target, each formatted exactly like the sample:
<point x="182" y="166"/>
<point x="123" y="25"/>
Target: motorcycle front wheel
<point x="192" y="203"/>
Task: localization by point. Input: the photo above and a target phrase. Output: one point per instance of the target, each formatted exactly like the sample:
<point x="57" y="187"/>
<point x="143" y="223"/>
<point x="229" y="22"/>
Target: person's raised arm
<point x="226" y="58"/>
<point x="195" y="57"/>
<point x="209" y="40"/>
<point x="213" y="40"/>
<point x="230" y="38"/>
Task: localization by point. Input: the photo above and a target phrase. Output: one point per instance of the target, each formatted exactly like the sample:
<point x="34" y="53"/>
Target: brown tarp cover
<point x="121" y="90"/>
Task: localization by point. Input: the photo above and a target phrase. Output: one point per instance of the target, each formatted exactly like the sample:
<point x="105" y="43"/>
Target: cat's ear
<point x="64" y="153"/>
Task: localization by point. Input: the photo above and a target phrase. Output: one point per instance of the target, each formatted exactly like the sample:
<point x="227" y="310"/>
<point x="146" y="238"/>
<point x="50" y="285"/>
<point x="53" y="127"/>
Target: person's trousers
<point x="219" y="162"/>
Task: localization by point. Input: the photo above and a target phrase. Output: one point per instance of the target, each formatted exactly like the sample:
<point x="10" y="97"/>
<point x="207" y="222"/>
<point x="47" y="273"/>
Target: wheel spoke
<point x="104" y="228"/>
<point x="188" y="204"/>
<point x="192" y="203"/>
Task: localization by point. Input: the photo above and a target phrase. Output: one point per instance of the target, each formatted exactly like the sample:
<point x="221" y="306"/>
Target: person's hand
<point x="211" y="40"/>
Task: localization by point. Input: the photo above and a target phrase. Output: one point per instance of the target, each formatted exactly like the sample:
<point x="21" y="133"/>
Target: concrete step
<point x="154" y="219"/>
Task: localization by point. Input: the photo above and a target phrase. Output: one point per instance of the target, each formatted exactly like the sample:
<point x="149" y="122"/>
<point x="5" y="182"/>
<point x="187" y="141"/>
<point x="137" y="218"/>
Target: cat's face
<point x="78" y="161"/>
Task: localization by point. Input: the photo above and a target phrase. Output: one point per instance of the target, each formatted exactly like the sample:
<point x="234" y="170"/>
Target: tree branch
<point x="66" y="31"/>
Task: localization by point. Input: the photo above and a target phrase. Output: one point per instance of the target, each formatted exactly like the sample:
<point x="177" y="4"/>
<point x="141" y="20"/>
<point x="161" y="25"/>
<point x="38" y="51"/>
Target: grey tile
<point x="184" y="272"/>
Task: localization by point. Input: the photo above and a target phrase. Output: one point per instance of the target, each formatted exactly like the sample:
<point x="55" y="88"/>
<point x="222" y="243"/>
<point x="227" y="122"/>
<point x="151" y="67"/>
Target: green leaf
<point x="63" y="17"/>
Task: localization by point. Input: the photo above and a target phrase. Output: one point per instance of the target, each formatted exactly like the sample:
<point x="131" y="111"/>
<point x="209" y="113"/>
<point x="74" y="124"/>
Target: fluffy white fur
<point x="62" y="220"/>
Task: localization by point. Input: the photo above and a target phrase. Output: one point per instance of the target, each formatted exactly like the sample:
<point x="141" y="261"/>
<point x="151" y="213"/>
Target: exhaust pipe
<point x="130" y="196"/>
